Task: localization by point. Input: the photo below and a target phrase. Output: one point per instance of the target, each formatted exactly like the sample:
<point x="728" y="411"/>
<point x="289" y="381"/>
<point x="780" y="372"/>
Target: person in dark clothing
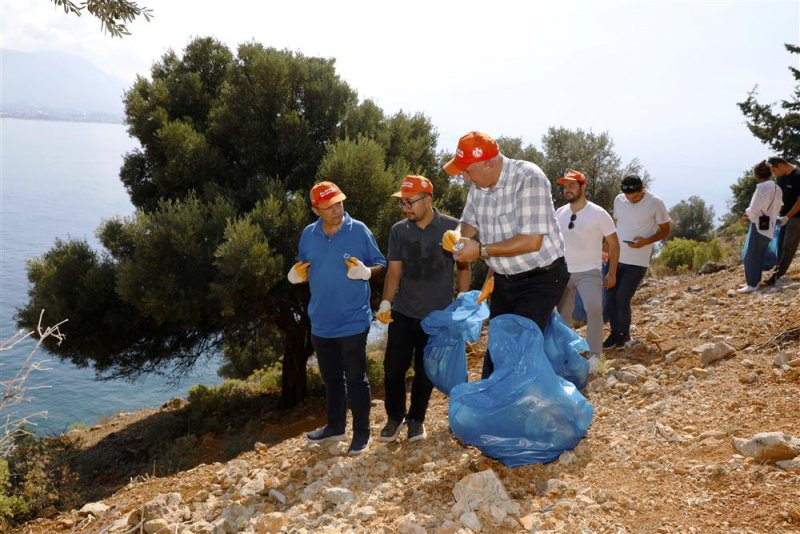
<point x="418" y="281"/>
<point x="788" y="179"/>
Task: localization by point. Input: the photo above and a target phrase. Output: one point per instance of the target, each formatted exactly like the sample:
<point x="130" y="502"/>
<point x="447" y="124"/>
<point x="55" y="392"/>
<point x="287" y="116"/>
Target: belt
<point x="533" y="272"/>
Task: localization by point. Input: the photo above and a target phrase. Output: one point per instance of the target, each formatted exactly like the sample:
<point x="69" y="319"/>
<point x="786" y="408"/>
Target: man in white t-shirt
<point x="642" y="220"/>
<point x="584" y="225"/>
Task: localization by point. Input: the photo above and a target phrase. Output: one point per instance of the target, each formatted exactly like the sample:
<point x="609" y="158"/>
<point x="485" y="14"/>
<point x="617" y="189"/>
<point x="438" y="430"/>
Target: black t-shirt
<point x="790" y="185"/>
<point x="427" y="281"/>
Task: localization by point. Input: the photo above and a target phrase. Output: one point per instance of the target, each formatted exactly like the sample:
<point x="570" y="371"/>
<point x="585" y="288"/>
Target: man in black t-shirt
<point x="788" y="178"/>
<point x="419" y="280"/>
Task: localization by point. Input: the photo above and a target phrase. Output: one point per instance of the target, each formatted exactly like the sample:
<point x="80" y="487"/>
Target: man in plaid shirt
<point x="509" y="221"/>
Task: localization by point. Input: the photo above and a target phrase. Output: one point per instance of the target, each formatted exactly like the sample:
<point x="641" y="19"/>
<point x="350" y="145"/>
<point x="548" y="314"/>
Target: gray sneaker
<point x="324" y="433"/>
<point x="391" y="430"/>
<point x="416" y="430"/>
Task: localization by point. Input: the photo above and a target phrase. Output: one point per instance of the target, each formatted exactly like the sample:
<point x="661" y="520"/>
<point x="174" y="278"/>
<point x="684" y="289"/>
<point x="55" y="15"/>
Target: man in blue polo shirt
<point x="337" y="256"/>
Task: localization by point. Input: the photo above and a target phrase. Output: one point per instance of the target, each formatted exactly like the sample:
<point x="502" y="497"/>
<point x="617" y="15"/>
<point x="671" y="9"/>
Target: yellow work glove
<point x="449" y="240"/>
<point x="357" y="270"/>
<point x="384" y="314"/>
<point x="486" y="290"/>
<point x="299" y="272"/>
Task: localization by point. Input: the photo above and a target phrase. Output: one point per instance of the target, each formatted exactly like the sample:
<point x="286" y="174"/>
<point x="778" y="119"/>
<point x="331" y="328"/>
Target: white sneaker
<point x="747" y="289"/>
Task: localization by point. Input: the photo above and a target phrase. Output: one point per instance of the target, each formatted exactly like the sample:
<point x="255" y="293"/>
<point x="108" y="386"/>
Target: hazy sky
<point x="662" y="77"/>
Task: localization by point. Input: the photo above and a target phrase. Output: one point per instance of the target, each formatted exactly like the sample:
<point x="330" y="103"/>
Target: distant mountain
<point x="55" y="85"/>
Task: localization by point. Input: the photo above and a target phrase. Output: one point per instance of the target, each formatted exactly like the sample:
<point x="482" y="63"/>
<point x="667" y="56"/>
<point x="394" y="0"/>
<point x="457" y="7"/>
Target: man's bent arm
<point x="466" y="230"/>
<point x="516" y="245"/>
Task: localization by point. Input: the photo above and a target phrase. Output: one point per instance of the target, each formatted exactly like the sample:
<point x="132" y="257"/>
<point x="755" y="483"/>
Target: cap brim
<point x="452" y="167"/>
<point x="331" y="201"/>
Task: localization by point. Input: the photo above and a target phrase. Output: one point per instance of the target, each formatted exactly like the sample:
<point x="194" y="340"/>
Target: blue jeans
<point x="619" y="299"/>
<point x="343" y="366"/>
<point x="406" y="344"/>
<point x="534" y="297"/>
<point x="754" y="257"/>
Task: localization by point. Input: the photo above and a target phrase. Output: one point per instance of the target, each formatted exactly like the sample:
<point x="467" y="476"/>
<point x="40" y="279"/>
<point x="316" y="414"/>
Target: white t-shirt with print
<point x="584" y="243"/>
<point x="639" y="219"/>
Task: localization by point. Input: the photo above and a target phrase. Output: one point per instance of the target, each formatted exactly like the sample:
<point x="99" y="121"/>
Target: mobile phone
<point x="628" y="242"/>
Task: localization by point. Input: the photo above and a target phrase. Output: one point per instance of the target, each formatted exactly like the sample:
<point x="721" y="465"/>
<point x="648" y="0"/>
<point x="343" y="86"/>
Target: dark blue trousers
<point x="619" y="298"/>
<point x="343" y="366"/>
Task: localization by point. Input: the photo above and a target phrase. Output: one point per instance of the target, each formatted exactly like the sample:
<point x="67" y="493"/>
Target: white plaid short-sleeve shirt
<point x="520" y="203"/>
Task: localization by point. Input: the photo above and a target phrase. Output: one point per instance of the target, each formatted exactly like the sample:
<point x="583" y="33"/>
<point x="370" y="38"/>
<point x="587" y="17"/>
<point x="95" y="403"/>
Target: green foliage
<point x="593" y="155"/>
<point x="780" y="129"/>
<point x="11" y="506"/>
<point x="692" y="219"/>
<point x="112" y="14"/>
<point x="36" y="475"/>
<point x="687" y="254"/>
<point x="230" y="146"/>
<point x="742" y="191"/>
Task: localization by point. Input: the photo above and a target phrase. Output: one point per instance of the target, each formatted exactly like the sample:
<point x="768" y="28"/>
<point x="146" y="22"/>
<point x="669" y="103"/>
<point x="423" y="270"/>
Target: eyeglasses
<point x="403" y="203"/>
<point x="572" y="221"/>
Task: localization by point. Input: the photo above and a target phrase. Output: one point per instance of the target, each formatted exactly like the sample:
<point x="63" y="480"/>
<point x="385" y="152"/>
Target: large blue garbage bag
<point x="771" y="253"/>
<point x="563" y="345"/>
<point x="523" y="413"/>
<point x="445" y="356"/>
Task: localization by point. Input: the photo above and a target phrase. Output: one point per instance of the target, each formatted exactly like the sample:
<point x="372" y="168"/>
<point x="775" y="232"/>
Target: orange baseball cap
<point x="572" y="176"/>
<point x="473" y="147"/>
<point x="413" y="184"/>
<point x="326" y="194"/>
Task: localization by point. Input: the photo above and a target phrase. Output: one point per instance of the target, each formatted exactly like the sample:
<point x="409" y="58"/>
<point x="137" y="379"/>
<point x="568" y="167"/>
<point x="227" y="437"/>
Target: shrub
<point x="683" y="255"/>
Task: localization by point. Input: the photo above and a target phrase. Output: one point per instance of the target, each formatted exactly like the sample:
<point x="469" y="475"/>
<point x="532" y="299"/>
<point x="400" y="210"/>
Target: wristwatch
<point x="484" y="252"/>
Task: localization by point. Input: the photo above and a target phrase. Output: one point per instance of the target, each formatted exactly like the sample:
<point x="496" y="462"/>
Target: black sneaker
<point x="611" y="341"/>
<point x="622" y="342"/>
<point x="324" y="433"/>
<point x="769" y="282"/>
<point x="391" y="430"/>
<point x="416" y="430"/>
<point x="359" y="444"/>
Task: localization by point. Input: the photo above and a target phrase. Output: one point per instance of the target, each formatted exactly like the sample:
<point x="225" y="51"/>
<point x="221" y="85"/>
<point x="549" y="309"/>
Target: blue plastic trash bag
<point x="523" y="413"/>
<point x="445" y="356"/>
<point x="563" y="345"/>
<point x="770" y="254"/>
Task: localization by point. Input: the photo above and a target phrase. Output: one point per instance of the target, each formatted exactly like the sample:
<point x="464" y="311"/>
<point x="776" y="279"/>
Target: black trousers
<point x="533" y="296"/>
<point x="404" y="345"/>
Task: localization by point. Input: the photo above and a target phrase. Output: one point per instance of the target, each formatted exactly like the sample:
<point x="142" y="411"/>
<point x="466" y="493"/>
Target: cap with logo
<point x="572" y="176"/>
<point x="413" y="184"/>
<point x="325" y="195"/>
<point x="631" y="184"/>
<point x="472" y="148"/>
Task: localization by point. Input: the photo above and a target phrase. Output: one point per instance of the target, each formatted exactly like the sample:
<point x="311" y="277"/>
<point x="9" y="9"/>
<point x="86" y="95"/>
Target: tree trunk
<point x="295" y="356"/>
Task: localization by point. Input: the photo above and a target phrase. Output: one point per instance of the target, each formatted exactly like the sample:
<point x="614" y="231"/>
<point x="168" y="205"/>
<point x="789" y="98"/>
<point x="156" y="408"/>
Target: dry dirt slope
<point x="658" y="456"/>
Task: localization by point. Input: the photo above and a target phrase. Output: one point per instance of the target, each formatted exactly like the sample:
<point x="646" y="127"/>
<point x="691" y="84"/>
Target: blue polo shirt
<point x="339" y="306"/>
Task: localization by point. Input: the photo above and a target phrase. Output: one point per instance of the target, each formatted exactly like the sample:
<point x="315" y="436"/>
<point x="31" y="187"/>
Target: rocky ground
<point x="669" y="449"/>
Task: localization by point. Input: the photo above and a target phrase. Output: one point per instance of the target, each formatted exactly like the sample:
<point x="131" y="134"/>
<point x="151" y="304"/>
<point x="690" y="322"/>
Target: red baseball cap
<point x="413" y="184"/>
<point x="326" y="194"/>
<point x="472" y="147"/>
<point x="572" y="176"/>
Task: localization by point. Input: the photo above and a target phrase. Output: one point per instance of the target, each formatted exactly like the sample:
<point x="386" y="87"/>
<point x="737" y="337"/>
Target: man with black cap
<point x="788" y="178"/>
<point x="419" y="280"/>
<point x="509" y="221"/>
<point x="642" y="220"/>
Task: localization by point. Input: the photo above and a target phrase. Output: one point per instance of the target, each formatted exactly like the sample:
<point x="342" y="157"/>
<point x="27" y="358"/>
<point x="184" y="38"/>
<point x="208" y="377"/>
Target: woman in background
<point x="765" y="205"/>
